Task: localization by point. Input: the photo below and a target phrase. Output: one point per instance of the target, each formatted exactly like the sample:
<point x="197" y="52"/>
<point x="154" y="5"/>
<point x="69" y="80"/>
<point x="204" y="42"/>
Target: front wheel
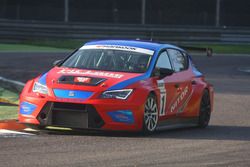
<point x="205" y="110"/>
<point x="150" y="114"/>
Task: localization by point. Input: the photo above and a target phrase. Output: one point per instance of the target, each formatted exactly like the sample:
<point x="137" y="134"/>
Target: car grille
<point x="70" y="115"/>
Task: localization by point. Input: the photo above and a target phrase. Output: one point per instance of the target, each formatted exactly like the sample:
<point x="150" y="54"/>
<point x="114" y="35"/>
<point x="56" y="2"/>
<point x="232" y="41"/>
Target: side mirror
<point x="57" y="62"/>
<point x="163" y="72"/>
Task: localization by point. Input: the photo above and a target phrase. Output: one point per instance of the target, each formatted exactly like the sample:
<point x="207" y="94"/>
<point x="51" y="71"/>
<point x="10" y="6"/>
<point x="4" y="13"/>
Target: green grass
<point x="64" y="44"/>
<point x="29" y="48"/>
<point x="9" y="96"/>
<point x="8" y="112"/>
<point x="70" y="45"/>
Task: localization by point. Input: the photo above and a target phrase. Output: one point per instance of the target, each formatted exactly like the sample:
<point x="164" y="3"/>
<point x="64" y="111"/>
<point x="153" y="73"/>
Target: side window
<point x="163" y="61"/>
<point x="179" y="61"/>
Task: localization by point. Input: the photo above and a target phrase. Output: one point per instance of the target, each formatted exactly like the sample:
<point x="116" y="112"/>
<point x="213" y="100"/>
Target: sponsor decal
<point x="70" y="100"/>
<point x="27" y="108"/>
<point x="181" y="109"/>
<point x="82" y="79"/>
<point x="116" y="47"/>
<point x="123" y="116"/>
<point x="119" y="47"/>
<point x="89" y="72"/>
<point x="163" y="95"/>
<point x="179" y="99"/>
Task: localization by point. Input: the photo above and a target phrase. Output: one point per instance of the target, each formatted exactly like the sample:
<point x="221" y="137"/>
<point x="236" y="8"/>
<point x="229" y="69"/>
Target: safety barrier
<point x="28" y="30"/>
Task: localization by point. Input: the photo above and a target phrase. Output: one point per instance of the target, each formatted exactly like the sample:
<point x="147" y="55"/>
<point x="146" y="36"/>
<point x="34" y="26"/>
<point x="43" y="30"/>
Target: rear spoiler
<point x="209" y="51"/>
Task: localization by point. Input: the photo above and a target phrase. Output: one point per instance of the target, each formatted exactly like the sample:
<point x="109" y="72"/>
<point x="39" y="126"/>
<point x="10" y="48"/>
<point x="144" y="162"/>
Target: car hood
<point x="72" y="78"/>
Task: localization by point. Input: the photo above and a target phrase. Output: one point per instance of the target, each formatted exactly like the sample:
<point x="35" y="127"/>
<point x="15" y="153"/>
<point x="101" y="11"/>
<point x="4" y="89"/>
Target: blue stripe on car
<point x="73" y="94"/>
<point x="133" y="43"/>
<point x="124" y="84"/>
<point x="144" y="76"/>
<point x="42" y="79"/>
<point x="196" y="72"/>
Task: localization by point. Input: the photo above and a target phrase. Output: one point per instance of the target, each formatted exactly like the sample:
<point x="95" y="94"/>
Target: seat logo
<point x="71" y="93"/>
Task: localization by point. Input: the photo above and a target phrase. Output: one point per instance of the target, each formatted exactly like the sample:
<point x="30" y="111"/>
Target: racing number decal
<point x="163" y="104"/>
<point x="163" y="98"/>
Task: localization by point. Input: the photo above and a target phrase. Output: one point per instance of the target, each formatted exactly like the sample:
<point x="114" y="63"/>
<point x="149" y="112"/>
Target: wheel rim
<point x="205" y="109"/>
<point x="151" y="114"/>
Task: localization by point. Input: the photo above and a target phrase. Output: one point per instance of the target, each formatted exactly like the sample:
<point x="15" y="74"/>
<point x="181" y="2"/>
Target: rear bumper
<point x="102" y="114"/>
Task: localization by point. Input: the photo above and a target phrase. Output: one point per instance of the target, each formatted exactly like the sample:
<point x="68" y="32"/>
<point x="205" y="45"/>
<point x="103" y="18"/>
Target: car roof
<point x="134" y="43"/>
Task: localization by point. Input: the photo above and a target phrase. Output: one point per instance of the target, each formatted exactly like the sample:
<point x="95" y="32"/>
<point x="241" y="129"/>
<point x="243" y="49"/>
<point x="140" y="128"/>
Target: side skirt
<point x="174" y="123"/>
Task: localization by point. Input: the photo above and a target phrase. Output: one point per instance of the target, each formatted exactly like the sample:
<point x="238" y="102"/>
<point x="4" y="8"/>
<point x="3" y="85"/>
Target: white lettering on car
<point x="89" y="72"/>
<point x="119" y="47"/>
<point x="179" y="99"/>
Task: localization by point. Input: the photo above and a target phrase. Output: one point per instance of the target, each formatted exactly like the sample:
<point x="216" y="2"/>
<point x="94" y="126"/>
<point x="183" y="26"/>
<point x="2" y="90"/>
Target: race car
<point x="119" y="85"/>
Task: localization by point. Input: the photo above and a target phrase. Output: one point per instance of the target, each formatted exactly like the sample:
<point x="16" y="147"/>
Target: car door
<point x="166" y="86"/>
<point x="182" y="81"/>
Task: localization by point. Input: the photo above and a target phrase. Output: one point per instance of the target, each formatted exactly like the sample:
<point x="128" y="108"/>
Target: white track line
<point x="10" y="133"/>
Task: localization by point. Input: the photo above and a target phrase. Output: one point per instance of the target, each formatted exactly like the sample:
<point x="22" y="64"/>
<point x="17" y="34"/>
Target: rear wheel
<point x="205" y="110"/>
<point x="150" y="114"/>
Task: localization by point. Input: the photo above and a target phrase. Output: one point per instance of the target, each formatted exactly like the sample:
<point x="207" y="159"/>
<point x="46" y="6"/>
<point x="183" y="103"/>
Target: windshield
<point x="109" y="60"/>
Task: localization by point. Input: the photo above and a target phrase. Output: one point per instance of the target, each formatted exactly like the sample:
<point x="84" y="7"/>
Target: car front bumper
<point x="103" y="114"/>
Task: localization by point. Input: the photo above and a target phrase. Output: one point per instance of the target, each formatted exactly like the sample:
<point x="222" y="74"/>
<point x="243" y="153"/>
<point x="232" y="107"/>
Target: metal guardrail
<point x="12" y="85"/>
<point x="28" y="30"/>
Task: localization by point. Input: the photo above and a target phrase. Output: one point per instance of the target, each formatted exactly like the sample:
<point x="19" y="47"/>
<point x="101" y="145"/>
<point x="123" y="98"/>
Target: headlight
<point x="39" y="88"/>
<point x="117" y="94"/>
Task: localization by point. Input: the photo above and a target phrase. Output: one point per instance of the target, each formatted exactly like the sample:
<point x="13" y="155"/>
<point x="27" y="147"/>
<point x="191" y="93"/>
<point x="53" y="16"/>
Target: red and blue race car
<point x="119" y="85"/>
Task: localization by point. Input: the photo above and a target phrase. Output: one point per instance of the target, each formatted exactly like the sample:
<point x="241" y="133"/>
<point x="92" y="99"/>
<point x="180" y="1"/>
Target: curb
<point x="11" y="125"/>
<point x="14" y="86"/>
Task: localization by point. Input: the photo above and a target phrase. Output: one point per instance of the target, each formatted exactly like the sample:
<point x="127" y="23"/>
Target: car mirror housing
<point x="163" y="72"/>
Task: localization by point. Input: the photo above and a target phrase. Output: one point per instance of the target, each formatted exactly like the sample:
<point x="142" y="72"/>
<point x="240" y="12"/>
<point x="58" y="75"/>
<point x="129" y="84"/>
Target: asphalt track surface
<point x="226" y="142"/>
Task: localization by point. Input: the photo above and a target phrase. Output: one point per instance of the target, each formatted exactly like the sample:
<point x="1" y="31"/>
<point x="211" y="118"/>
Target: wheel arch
<point x="153" y="92"/>
<point x="209" y="88"/>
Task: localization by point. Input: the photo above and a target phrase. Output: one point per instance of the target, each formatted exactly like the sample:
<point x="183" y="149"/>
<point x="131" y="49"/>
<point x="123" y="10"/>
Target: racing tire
<point x="150" y="117"/>
<point x="205" y="110"/>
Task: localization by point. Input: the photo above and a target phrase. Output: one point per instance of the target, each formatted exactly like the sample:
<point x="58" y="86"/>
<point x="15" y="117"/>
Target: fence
<point x="160" y="12"/>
